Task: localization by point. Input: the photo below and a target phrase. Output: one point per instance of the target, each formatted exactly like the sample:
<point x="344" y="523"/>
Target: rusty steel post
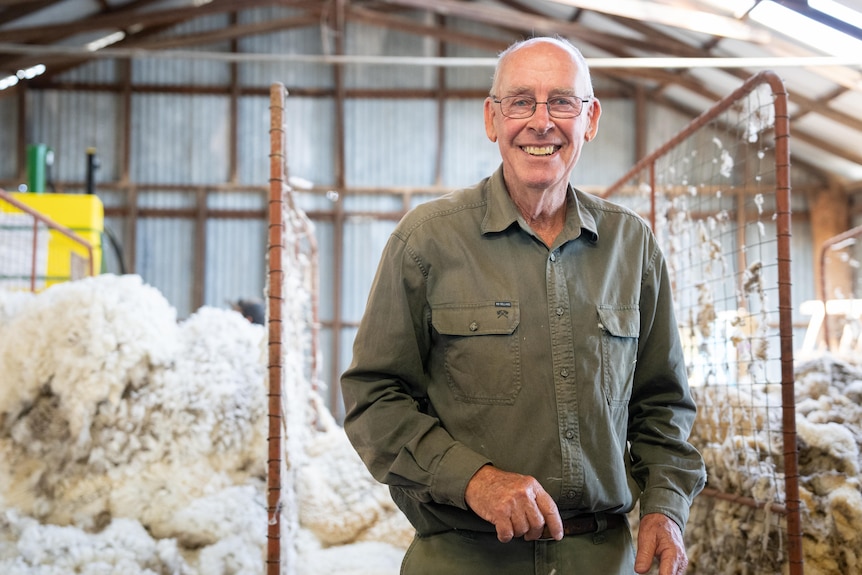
<point x="275" y="301"/>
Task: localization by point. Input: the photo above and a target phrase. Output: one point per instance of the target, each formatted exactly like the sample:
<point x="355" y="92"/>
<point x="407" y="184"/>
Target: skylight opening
<point x="8" y="82"/>
<point x="838" y="11"/>
<point x="26" y="74"/>
<point x="737" y="8"/>
<point x="806" y="30"/>
<point x="105" y="41"/>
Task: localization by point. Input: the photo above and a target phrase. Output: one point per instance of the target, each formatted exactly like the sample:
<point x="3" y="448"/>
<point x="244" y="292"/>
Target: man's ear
<point x="490" y="112"/>
<point x="593" y="114"/>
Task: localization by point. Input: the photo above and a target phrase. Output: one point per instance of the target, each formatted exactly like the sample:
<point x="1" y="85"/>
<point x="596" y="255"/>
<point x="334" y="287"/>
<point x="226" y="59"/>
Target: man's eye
<point x="521" y="103"/>
<point x="562" y="102"/>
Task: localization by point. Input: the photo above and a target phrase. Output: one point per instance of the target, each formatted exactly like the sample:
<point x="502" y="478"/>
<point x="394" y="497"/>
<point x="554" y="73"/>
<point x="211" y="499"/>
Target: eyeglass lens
<point x="524" y="107"/>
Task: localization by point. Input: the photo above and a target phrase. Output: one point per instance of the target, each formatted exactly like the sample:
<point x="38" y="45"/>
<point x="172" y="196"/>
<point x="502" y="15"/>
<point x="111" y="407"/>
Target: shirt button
<point x="570" y="434"/>
<point x="474" y="326"/>
<point x="559" y="311"/>
<point x="570" y="494"/>
<point x="553" y="257"/>
<point x="564" y="373"/>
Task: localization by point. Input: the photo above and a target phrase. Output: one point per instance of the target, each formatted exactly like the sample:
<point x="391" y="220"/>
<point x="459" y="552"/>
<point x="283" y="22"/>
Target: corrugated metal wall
<point x="8" y="136"/>
<point x="183" y="152"/>
<point x="71" y="122"/>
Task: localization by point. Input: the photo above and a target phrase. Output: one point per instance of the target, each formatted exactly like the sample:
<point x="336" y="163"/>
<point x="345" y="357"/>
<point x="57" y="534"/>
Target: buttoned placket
<point x="562" y="349"/>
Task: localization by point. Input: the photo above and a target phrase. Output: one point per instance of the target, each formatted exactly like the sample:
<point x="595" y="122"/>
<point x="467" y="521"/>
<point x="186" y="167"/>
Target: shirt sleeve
<point x="384" y="389"/>
<point x="668" y="469"/>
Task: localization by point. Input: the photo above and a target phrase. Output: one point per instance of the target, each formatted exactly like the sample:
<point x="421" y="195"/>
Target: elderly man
<point x="517" y="379"/>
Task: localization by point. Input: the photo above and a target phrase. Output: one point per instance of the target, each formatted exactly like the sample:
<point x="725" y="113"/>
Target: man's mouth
<point x="540" y="150"/>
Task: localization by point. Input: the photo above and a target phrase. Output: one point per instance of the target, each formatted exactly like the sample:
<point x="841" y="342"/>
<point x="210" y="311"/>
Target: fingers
<point x="535" y="523"/>
<point x="550" y="522"/>
<point x="505" y="531"/>
<point x="644" y="557"/>
<point x="647" y="541"/>
<point x="673" y="567"/>
<point x="527" y="523"/>
<point x="660" y="537"/>
<point x="515" y="504"/>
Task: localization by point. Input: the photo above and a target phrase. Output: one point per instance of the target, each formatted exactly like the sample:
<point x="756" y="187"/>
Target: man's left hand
<point x="659" y="536"/>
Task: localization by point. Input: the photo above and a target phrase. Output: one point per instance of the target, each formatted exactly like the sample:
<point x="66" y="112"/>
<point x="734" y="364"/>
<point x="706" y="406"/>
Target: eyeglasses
<point x="561" y="107"/>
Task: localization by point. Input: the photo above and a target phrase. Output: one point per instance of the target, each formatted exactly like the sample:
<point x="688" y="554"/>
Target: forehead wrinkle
<point x="518" y="90"/>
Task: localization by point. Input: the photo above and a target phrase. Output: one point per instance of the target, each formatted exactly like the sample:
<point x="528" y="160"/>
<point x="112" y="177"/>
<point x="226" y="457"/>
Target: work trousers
<point x="608" y="552"/>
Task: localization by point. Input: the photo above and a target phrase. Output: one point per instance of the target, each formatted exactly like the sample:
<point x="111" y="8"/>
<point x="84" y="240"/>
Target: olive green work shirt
<point x="479" y="345"/>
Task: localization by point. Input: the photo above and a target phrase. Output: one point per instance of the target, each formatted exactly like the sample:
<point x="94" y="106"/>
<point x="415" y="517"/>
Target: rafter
<point x="21" y="8"/>
<point x="531" y="25"/>
<point x="675" y="16"/>
<point x="806" y="105"/>
<point x="140" y="27"/>
<point x="377" y="18"/>
<point x="123" y="19"/>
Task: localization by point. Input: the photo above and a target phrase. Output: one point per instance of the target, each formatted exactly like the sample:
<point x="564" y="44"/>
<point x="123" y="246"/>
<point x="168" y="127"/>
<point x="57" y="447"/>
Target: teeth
<point x="539" y="151"/>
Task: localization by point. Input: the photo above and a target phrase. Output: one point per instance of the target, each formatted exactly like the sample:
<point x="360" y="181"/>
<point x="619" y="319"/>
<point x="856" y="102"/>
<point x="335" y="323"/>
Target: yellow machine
<point x="82" y="214"/>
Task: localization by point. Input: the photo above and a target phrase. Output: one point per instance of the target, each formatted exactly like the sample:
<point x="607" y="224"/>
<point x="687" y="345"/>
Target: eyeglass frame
<point x="546" y="103"/>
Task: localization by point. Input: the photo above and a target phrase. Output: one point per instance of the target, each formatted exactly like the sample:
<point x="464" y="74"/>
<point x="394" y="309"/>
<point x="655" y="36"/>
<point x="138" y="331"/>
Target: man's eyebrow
<point x="518" y="91"/>
<point x="526" y="91"/>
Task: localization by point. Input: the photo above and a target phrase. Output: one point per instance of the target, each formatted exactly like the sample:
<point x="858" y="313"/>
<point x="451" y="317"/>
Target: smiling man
<point x="517" y="378"/>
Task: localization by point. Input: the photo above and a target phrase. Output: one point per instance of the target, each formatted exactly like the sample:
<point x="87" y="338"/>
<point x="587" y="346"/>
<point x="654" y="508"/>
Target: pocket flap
<point x="484" y="318"/>
<point x="620" y="321"/>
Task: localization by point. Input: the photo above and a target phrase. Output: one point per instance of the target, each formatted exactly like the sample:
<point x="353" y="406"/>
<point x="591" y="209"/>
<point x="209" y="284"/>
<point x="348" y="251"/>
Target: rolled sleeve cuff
<point x="456" y="468"/>
<point x="668" y="503"/>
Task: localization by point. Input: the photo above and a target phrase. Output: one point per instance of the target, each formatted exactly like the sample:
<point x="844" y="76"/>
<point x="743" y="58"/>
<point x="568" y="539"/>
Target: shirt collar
<point x="502" y="213"/>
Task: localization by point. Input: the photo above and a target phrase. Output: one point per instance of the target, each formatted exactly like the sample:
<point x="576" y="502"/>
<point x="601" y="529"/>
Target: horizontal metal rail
<point x="39" y="218"/>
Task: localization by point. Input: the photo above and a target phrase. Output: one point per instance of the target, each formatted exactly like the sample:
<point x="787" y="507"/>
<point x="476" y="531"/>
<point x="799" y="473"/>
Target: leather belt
<point x="588" y="523"/>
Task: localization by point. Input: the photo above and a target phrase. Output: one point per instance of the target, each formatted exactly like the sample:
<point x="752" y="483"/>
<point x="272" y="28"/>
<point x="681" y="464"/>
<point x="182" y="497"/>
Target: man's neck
<point x="543" y="210"/>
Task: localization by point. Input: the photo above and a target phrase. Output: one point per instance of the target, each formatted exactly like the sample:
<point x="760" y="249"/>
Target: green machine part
<point x="38" y="158"/>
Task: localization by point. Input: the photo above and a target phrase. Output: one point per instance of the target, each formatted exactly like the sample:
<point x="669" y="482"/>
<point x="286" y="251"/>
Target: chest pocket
<point x="480" y="350"/>
<point x="620" y="326"/>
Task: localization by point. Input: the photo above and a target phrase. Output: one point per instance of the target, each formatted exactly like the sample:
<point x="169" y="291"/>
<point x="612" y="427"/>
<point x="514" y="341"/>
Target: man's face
<point x="540" y="152"/>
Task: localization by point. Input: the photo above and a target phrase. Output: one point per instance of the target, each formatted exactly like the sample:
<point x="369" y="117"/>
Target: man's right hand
<point x="515" y="504"/>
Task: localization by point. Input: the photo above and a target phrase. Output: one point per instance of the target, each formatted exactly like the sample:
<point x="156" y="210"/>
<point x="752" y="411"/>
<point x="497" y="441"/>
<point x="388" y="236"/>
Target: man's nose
<point x="541" y="119"/>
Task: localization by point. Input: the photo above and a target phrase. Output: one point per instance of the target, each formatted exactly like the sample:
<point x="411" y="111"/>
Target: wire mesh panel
<point x="23" y="252"/>
<point x="839" y="313"/>
<point x="717" y="197"/>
